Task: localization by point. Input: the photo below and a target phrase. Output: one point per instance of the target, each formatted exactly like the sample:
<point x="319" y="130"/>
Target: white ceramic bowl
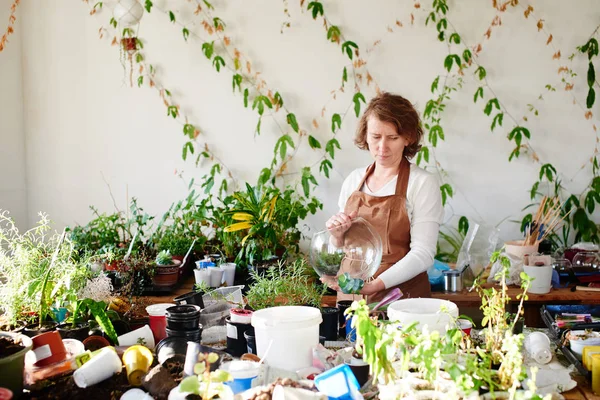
<point x="577" y="345"/>
<point x="435" y="313"/>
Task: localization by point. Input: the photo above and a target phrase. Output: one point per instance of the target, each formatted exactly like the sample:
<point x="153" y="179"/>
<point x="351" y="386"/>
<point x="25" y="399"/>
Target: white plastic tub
<point x="290" y="331"/>
<point x="436" y="314"/>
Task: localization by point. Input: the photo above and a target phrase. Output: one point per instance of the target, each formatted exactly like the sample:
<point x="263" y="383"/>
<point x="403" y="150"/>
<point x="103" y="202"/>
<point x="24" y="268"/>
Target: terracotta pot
<point x="48" y="348"/>
<point x="94" y="343"/>
<point x="166" y="275"/>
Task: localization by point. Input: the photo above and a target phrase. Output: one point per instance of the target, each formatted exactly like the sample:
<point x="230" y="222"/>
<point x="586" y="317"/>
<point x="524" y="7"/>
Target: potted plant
<point x="269" y="219"/>
<point x="205" y="383"/>
<point x="13" y="347"/>
<point x="166" y="271"/>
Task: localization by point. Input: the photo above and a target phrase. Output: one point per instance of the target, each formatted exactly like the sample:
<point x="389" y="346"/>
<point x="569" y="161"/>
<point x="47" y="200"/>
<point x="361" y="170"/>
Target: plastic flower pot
<point x="236" y="341"/>
<point x="329" y="327"/>
<point x="191" y="357"/>
<point x="185" y="317"/>
<point x="170" y="347"/>
<point x="240" y="316"/>
<point x="48" y="348"/>
<point x="137" y="360"/>
<point x="194" y="298"/>
<point x="250" y="340"/>
<point x="12" y="365"/>
<point x="193" y="335"/>
<point x="95" y="342"/>
<point x="158" y="320"/>
<point x="79" y="332"/>
<point x="101" y="366"/>
<point x="32" y="330"/>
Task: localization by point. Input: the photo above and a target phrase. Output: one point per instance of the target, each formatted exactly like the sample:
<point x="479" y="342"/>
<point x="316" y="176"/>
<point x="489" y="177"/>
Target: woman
<point x="402" y="201"/>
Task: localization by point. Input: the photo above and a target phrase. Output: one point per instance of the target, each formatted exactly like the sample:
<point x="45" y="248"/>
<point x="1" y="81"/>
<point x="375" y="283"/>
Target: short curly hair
<point x="397" y="110"/>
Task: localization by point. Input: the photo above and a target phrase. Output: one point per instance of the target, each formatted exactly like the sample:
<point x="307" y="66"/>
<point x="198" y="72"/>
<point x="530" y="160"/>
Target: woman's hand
<point x="331" y="282"/>
<point x="373" y="287"/>
<point x="339" y="224"/>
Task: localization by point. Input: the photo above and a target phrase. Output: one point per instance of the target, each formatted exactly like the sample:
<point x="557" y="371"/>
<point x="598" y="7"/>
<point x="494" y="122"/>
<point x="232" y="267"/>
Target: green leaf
<point x="215" y="169"/>
<point x="525" y="222"/>
<point x="591" y="98"/>
<point x="172" y="111"/>
<point x="171" y="16"/>
<point x="139" y="58"/>
<point x="347" y="47"/>
<point x="113" y="22"/>
<point x="186" y="33"/>
<point x="423" y="154"/>
<point x="442" y="25"/>
<point x="478" y="94"/>
<point x="218" y="62"/>
<point x="264" y="176"/>
<point x="448" y="62"/>
<point x="237" y="81"/>
<point x="437" y="130"/>
<point x="325" y="167"/>
<point x="317" y="8"/>
<point x="291" y="119"/>
<point x="218" y="23"/>
<point x="330" y="147"/>
<point x="454" y="38"/>
<point x="590" y="201"/>
<point x="497" y="120"/>
<point x="258" y="125"/>
<point x="187" y="147"/>
<point x="208" y="185"/>
<point x="447" y="191"/>
<point x="463" y="225"/>
<point x="278" y="99"/>
<point x="189" y="130"/>
<point x="596" y="183"/>
<point x="467" y="55"/>
<point x="481" y="73"/>
<point x="358" y="97"/>
<point x="208" y="49"/>
<point x="140" y="81"/>
<point x="591" y="74"/>
<point x="313" y="142"/>
<point x="548" y="171"/>
<point x="307" y="178"/>
<point x="431" y="17"/>
<point x="336" y="119"/>
<point x="223" y="187"/>
<point x="210" y="6"/>
<point x="282" y="144"/>
<point x="534" y="190"/>
<point x="344" y="76"/>
<point x="246" y="97"/>
<point x="148" y="5"/>
<point x="190" y="384"/>
<point x="490" y="104"/>
<point x="434" y="84"/>
<point x="333" y="33"/>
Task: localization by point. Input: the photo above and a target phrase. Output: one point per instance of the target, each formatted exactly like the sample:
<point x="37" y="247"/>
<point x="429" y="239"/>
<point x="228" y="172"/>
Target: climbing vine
<point x="461" y="64"/>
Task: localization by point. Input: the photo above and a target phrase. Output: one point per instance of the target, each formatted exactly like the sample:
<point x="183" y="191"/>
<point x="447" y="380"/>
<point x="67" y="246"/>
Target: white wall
<point x="83" y="121"/>
<point x="13" y="188"/>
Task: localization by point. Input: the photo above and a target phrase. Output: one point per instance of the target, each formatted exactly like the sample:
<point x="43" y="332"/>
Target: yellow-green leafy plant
<point x="205" y="383"/>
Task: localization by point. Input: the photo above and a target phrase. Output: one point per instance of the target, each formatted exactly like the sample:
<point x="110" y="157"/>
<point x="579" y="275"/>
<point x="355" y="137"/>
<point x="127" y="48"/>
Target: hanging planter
<point x="129" y="44"/>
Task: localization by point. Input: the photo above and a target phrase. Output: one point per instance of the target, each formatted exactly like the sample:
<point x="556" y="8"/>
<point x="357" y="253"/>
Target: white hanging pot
<point x="128" y="12"/>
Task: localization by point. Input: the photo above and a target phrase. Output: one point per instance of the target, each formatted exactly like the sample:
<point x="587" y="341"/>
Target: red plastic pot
<point x="48" y="348"/>
<point x="95" y="342"/>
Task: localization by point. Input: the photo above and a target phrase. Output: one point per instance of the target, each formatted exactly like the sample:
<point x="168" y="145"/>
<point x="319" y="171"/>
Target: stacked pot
<point x="238" y="324"/>
<point x="184" y="321"/>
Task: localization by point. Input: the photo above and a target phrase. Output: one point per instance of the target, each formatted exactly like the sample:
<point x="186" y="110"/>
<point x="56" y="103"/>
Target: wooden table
<point x="465" y="299"/>
<point x="532" y="305"/>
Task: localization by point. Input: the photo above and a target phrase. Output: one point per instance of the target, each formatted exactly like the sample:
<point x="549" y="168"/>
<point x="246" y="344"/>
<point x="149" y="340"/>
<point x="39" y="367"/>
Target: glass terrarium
<point x="351" y="253"/>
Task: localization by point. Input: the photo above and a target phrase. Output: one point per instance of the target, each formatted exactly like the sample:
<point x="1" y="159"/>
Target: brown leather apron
<point x="389" y="218"/>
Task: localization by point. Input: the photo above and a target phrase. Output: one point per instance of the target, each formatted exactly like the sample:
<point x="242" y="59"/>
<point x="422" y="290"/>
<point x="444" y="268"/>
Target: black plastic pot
<point x="191" y="335"/>
<point x="183" y="318"/>
<point x="250" y="340"/>
<point x="169" y="347"/>
<point x="236" y="341"/>
<point x="79" y="332"/>
<point x="190" y="298"/>
<point x="330" y="325"/>
<point x="32" y="330"/>
<point x="360" y="371"/>
<point x="342" y="305"/>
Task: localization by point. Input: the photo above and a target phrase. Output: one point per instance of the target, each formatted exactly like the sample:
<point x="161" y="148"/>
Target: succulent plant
<point x="164" y="258"/>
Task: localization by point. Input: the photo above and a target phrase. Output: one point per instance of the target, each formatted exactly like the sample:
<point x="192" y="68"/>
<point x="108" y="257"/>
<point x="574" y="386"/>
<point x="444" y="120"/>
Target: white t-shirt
<point x="425" y="212"/>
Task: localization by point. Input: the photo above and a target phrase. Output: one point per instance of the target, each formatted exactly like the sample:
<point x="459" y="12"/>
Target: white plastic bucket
<point x="437" y="314"/>
<point x="290" y="331"/>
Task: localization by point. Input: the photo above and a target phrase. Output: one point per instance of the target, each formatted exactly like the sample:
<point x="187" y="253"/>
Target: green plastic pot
<point x="13" y="365"/>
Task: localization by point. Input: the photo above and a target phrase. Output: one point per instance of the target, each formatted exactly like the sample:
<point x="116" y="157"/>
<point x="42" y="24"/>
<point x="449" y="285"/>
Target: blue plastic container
<point x="350" y="332"/>
<point x="338" y="383"/>
<point x="243" y="373"/>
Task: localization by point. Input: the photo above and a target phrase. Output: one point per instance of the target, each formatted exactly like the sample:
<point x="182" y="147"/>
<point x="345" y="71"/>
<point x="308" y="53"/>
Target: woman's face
<point x="385" y="144"/>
